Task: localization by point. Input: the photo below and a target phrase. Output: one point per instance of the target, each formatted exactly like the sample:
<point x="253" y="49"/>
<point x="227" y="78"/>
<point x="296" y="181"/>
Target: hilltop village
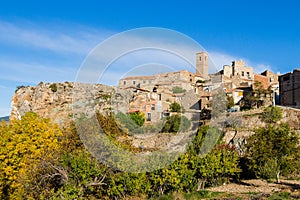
<point x="154" y="94"/>
<point x="96" y="121"/>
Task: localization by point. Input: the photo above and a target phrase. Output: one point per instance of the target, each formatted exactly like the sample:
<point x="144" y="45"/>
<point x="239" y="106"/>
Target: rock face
<point x="251" y="120"/>
<point x="60" y="101"/>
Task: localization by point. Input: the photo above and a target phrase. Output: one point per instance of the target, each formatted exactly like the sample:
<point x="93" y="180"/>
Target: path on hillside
<point x="260" y="187"/>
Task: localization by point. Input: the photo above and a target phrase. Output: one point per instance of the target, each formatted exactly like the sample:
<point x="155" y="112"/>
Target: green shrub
<point x="177" y="89"/>
<point x="175" y="107"/>
<point x="138" y="118"/>
<point x="53" y="87"/>
<point x="271" y="114"/>
<point x="19" y="87"/>
<point x="272" y="151"/>
<point x="200" y="81"/>
<point x="176" y="123"/>
<point x="230" y="102"/>
<point x="125" y="121"/>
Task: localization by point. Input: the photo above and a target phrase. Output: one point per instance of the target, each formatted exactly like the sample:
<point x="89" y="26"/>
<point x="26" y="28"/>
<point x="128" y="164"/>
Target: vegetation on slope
<point x="41" y="161"/>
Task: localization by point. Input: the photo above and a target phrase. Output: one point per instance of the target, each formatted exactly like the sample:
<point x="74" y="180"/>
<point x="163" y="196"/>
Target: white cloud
<point x="220" y="59"/>
<point x="4" y="112"/>
<point x="34" y="72"/>
<point x="77" y="39"/>
<point x="71" y="41"/>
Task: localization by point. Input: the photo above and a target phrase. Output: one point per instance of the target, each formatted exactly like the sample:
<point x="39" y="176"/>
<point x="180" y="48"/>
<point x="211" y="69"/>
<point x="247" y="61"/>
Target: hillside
<point x="4" y="118"/>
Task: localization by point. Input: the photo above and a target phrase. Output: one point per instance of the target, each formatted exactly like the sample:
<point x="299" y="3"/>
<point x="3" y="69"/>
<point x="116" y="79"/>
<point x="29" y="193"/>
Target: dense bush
<point x="53" y="87"/>
<point x="175" y="107"/>
<point x="271" y="114"/>
<point x="128" y="123"/>
<point x="230" y="102"/>
<point x="177" y="89"/>
<point x="176" y="123"/>
<point x="138" y="118"/>
<point x="24" y="143"/>
<point x="38" y="161"/>
<point x="273" y="151"/>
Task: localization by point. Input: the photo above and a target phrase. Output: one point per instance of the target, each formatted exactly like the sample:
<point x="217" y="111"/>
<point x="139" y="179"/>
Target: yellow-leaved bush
<point x="24" y="143"/>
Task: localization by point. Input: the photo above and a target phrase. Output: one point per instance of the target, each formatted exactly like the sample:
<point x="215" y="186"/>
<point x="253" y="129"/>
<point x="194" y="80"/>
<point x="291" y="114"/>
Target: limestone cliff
<point x="59" y="101"/>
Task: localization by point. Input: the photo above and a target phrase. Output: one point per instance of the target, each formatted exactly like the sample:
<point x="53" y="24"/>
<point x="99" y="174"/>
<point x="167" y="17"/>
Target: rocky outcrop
<point x="61" y="101"/>
<point x="251" y="120"/>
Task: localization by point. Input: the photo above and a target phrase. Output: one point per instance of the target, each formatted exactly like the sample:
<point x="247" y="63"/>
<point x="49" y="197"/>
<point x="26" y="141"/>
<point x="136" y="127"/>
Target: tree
<point x="230" y="102"/>
<point x="271" y="114"/>
<point x="272" y="151"/>
<point x="214" y="166"/>
<point x="127" y="124"/>
<point x="23" y="144"/>
<point x="138" y="118"/>
<point x="258" y="87"/>
<point x="175" y="107"/>
<point x="176" y="123"/>
<point x="249" y="101"/>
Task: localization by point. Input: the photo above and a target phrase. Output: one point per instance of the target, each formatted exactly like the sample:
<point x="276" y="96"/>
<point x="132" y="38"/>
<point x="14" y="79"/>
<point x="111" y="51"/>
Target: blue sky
<point x="49" y="41"/>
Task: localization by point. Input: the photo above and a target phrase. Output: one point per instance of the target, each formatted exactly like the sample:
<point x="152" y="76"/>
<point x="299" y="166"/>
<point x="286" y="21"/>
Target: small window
<point x="159" y="97"/>
<point x="152" y="107"/>
<point x="286" y="78"/>
<point x="148" y="116"/>
<point x="243" y="74"/>
<point x="144" y="81"/>
<point x="133" y="82"/>
<point x="124" y="82"/>
<point x="205" y="58"/>
<point x="248" y="73"/>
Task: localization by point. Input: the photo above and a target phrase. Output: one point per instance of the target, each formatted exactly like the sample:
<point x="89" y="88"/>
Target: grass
<point x="281" y="195"/>
<point x="202" y="194"/>
<point x="205" y="194"/>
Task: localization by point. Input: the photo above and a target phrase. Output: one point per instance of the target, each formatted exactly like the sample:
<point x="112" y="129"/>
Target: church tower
<point x="202" y="64"/>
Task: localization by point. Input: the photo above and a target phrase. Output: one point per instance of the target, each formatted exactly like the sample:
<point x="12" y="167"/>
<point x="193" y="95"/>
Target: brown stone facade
<point x="263" y="80"/>
<point x="289" y="85"/>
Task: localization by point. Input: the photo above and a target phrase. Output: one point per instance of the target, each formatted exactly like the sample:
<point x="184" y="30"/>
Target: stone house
<point x="155" y="93"/>
<point x="289" y="85"/>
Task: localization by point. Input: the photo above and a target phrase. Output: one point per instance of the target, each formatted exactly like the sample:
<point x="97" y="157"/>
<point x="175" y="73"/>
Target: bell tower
<point x="202" y="64"/>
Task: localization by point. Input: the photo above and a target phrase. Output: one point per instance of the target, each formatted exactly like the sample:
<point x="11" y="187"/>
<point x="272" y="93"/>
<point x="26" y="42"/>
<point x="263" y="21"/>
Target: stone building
<point x="238" y="68"/>
<point x="202" y="64"/>
<point x="158" y="91"/>
<point x="261" y="79"/>
<point x="236" y="75"/>
<point x="289" y="87"/>
<point x="273" y="78"/>
<point x="238" y="80"/>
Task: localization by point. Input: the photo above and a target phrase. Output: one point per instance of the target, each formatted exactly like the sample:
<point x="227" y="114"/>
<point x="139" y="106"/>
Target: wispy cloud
<point x="221" y="58"/>
<point x="77" y="39"/>
<point x="34" y="72"/>
<point x="4" y="112"/>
